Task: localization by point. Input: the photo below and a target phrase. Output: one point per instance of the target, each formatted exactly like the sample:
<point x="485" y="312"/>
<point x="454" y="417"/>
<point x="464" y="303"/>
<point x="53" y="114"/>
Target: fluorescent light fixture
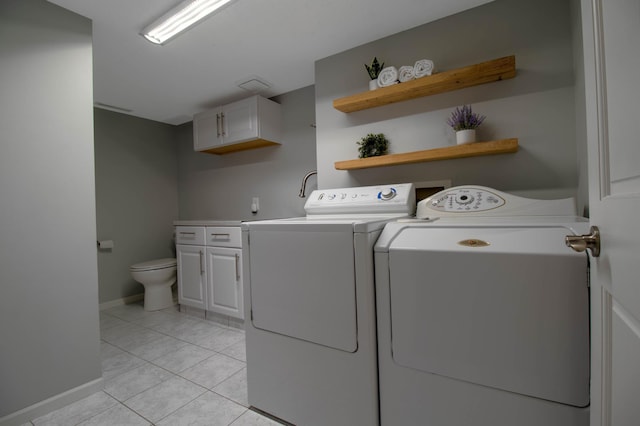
<point x="181" y="18"/>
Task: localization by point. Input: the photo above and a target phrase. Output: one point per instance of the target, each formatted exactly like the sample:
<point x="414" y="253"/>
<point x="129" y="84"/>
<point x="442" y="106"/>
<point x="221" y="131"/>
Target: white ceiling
<point x="277" y="40"/>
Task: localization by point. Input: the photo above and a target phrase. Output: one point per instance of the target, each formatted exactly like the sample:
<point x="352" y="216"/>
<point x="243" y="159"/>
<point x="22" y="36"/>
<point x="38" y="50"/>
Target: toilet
<point x="157" y="277"/>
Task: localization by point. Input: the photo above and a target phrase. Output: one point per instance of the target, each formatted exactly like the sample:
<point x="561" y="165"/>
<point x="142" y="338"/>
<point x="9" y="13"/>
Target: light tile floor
<point x="165" y="368"/>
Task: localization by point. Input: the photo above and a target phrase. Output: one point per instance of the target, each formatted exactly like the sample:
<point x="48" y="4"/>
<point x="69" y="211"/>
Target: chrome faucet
<point x="304" y="182"/>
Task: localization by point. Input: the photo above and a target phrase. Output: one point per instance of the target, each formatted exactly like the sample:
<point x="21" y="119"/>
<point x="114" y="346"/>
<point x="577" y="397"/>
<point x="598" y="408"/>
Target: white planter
<point x="373" y="84"/>
<point x="465" y="136"/>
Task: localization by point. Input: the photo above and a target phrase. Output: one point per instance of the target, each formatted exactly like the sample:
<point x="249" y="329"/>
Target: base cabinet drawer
<point x="224" y="236"/>
<point x="192" y="235"/>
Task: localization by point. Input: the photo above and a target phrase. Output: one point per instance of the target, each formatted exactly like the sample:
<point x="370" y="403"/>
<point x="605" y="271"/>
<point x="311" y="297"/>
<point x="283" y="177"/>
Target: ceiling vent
<point x="253" y="84"/>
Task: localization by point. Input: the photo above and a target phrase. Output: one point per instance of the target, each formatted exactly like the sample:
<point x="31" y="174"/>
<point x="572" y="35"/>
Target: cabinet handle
<point x="218" y="120"/>
<point x="201" y="266"/>
<point x="187" y="233"/>
<point x="222" y="121"/>
<point x="237" y="266"/>
<point x="215" y="236"/>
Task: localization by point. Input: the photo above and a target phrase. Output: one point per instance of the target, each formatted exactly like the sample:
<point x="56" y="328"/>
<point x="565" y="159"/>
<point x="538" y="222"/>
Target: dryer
<point x="310" y="306"/>
<point x="483" y="313"/>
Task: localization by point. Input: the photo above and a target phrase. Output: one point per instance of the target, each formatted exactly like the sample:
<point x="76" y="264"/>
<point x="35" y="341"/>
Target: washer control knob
<point x="464" y="199"/>
<point x="387" y="193"/>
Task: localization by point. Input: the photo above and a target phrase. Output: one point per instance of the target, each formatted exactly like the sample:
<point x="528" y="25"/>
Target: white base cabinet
<point x="190" y="252"/>
<point x="191" y="276"/>
<point x="224" y="281"/>
<point x="210" y="269"/>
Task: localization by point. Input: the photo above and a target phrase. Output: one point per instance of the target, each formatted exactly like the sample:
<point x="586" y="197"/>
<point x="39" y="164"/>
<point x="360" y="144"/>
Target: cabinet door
<point x="224" y="283"/>
<point x="207" y="129"/>
<point x="240" y="121"/>
<point x="191" y="276"/>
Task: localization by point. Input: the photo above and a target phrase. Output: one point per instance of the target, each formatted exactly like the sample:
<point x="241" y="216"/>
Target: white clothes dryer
<point x="310" y="306"/>
<point x="483" y="313"/>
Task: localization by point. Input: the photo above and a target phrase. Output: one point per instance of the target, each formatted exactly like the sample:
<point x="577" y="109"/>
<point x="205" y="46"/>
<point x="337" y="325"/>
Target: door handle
<point x="581" y="243"/>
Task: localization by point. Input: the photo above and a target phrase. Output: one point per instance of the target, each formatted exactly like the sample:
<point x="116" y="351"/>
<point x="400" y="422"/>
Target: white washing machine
<point x="483" y="313"/>
<point x="310" y="306"/>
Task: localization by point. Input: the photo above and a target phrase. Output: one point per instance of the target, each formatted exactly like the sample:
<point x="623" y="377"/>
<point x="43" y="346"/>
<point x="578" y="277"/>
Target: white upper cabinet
<point x="250" y="123"/>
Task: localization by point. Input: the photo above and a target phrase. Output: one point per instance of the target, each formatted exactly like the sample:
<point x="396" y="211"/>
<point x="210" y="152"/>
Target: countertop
<point x="207" y="222"/>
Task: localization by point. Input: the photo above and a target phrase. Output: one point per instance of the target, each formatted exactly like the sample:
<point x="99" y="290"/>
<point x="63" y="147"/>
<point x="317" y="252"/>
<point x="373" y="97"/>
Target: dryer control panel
<point x="482" y="201"/>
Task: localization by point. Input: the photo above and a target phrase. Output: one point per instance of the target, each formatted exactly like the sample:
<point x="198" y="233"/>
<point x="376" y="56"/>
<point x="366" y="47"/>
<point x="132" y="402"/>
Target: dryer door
<point x="500" y="307"/>
<point x="303" y="282"/>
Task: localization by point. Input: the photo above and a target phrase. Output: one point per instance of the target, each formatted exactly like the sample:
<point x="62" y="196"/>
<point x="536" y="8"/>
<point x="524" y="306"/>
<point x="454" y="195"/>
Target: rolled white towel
<point x="423" y="67"/>
<point x="388" y="77"/>
<point x="405" y="73"/>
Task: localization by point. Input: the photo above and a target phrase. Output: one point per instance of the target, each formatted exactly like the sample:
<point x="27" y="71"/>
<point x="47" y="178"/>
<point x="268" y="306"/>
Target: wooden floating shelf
<point x="446" y="81"/>
<point x="503" y="146"/>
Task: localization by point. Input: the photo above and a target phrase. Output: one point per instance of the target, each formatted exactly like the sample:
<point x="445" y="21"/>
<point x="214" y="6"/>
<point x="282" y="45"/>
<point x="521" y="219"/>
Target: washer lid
<point x="154" y="264"/>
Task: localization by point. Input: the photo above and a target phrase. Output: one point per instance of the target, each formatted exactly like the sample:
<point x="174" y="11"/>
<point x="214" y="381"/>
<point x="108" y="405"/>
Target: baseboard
<point x="223" y="319"/>
<point x="51" y="404"/>
<point x="124" y="301"/>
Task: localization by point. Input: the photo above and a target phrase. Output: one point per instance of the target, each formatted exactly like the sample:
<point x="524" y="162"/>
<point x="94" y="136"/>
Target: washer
<point x="483" y="313"/>
<point x="310" y="305"/>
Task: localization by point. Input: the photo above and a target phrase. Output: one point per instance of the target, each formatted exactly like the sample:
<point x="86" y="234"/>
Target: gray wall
<point x="221" y="187"/>
<point x="537" y="106"/>
<point x="137" y="184"/>
<point x="136" y="197"/>
<point x="48" y="271"/>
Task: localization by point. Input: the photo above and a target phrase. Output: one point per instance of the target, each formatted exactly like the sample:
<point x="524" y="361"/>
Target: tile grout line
<point x="173" y="375"/>
<point x="174" y="337"/>
<point x="177" y="338"/>
<point x="168" y="353"/>
<point x="244" y="409"/>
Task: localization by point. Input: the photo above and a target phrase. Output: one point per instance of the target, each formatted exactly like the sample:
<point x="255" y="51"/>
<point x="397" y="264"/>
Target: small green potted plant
<point x="373" y="145"/>
<point x="374" y="70"/>
<point x="465" y="122"/>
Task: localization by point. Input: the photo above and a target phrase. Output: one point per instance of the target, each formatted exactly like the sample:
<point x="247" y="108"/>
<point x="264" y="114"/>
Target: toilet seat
<point x="153" y="265"/>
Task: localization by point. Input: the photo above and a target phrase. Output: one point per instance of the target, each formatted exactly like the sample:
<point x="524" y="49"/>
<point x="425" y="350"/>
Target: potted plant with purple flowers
<point x="465" y="122"/>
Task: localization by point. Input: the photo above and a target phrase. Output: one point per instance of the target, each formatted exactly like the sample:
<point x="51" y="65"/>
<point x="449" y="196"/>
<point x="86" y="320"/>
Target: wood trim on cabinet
<point x="239" y="146"/>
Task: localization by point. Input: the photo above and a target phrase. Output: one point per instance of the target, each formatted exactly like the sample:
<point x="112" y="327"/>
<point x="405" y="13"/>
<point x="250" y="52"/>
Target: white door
<point x="191" y="276"/>
<point x="240" y="120"/>
<point x="207" y="129"/>
<point x="224" y="281"/>
<point x="303" y="282"/>
<point x="611" y="34"/>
